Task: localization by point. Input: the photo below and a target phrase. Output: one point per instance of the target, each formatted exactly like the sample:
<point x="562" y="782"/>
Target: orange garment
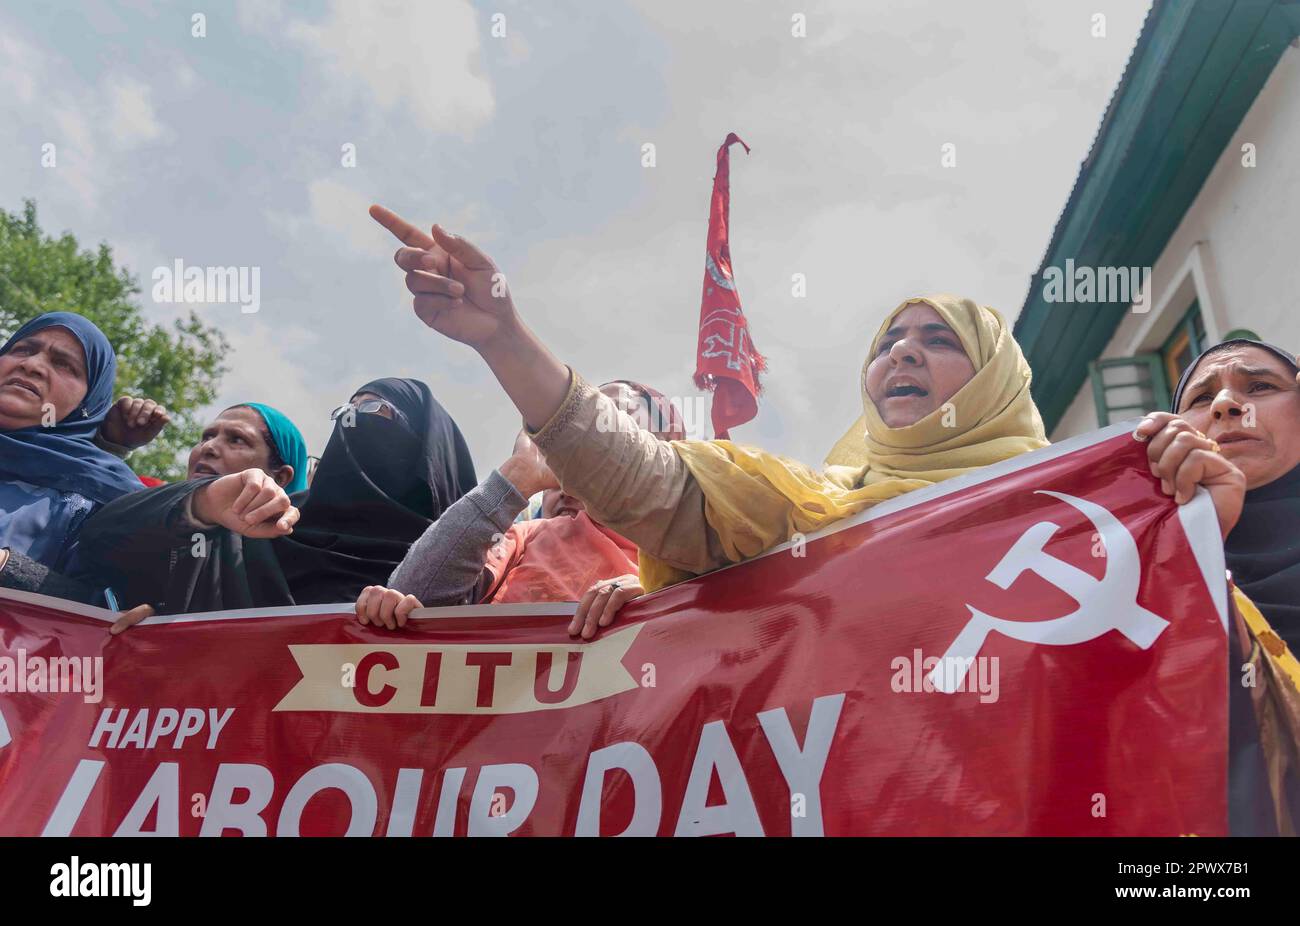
<point x="556" y="559"/>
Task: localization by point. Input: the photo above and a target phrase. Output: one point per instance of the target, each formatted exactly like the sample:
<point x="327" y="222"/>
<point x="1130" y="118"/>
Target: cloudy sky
<point x="227" y="150"/>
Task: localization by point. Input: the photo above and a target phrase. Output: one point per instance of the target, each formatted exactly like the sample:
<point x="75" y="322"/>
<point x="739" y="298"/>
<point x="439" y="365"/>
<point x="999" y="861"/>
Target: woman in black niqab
<point x="380" y="483"/>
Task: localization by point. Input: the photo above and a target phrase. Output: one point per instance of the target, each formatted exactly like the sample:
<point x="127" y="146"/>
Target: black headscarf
<point x="1263" y="550"/>
<point x="1263" y="554"/>
<point x="379" y="484"/>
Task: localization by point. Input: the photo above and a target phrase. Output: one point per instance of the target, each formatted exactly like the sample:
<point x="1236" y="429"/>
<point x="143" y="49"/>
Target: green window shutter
<point x="1128" y="387"/>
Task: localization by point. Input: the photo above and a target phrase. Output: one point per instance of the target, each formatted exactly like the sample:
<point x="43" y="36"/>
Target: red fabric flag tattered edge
<point x="726" y="361"/>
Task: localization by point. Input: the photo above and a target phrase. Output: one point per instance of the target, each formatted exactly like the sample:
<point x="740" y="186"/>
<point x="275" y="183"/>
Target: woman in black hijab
<point x="1243" y="394"/>
<point x="395" y="462"/>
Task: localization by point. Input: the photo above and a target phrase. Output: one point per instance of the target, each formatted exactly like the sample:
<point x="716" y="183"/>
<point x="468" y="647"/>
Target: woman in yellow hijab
<point x="945" y="390"/>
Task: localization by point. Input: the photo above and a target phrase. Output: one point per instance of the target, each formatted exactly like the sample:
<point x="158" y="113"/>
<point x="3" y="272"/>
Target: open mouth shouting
<point x="904" y="387"/>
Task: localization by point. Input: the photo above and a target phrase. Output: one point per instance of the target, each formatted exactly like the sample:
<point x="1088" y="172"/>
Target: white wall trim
<point x="1193" y="281"/>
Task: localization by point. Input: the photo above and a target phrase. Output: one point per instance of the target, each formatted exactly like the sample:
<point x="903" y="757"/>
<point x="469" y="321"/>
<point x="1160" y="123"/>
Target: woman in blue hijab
<point x="56" y="386"/>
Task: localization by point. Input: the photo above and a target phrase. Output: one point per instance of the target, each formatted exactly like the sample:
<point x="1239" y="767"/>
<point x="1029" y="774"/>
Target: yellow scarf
<point x="755" y="500"/>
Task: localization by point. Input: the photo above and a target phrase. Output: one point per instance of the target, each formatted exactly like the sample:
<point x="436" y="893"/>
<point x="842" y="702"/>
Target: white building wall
<point x="1237" y="249"/>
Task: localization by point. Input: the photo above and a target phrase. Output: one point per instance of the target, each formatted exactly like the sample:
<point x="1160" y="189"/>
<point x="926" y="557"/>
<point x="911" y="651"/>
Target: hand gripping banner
<point x="1039" y="649"/>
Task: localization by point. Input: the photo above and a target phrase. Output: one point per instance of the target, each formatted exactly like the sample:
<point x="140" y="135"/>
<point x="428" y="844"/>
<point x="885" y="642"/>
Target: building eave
<point x="1195" y="70"/>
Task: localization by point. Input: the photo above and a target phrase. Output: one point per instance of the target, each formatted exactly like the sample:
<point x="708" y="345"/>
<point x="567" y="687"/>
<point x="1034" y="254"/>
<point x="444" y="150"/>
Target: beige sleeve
<point x="631" y="481"/>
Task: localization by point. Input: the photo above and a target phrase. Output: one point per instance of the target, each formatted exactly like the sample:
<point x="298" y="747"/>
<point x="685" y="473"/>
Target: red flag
<point x="726" y="361"/>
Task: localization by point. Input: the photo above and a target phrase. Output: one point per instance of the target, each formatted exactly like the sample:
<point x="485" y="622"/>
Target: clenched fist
<point x="250" y="503"/>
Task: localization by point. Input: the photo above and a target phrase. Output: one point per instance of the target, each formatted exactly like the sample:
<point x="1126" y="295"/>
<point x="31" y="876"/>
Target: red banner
<point x="1038" y="650"/>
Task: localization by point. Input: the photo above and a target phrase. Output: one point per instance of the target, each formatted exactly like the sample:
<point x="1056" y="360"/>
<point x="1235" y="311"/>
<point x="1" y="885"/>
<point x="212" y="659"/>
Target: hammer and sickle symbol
<point x="1108" y="603"/>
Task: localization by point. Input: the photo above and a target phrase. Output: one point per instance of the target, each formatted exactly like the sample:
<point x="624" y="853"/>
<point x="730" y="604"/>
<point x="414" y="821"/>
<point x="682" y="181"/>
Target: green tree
<point x="181" y="367"/>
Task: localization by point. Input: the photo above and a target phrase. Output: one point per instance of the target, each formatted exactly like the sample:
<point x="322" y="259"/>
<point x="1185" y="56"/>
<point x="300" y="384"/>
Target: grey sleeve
<point x="444" y="566"/>
<point x="26" y="574"/>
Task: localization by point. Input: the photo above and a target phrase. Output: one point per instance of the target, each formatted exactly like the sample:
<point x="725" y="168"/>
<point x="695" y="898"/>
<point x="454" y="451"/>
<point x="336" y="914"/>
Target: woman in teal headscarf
<point x="252" y="436"/>
<point x="288" y="442"/>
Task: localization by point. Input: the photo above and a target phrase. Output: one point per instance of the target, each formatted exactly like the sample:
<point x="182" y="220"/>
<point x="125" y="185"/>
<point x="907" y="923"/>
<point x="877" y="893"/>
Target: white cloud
<point x="185" y="76"/>
<point x="74" y="150"/>
<point x="259" y="15"/>
<point x="420" y="56"/>
<point x="20" y="68"/>
<point x="131" y="118"/>
<point x="85" y="122"/>
<point x="518" y="51"/>
<point x="342" y="210"/>
<point x="262" y="370"/>
<point x="336" y="213"/>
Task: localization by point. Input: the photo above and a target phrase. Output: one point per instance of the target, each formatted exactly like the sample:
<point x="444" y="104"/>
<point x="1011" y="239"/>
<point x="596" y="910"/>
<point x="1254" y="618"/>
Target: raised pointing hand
<point x="458" y="290"/>
<point x="459" y="293"/>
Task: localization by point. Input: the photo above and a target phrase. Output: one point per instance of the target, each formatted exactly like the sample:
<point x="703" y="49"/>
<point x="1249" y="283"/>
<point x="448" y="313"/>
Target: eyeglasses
<point x="369" y="407"/>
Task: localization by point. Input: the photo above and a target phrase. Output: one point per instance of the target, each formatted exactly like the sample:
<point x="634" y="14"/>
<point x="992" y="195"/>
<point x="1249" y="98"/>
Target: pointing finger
<point x="403" y="230"/>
